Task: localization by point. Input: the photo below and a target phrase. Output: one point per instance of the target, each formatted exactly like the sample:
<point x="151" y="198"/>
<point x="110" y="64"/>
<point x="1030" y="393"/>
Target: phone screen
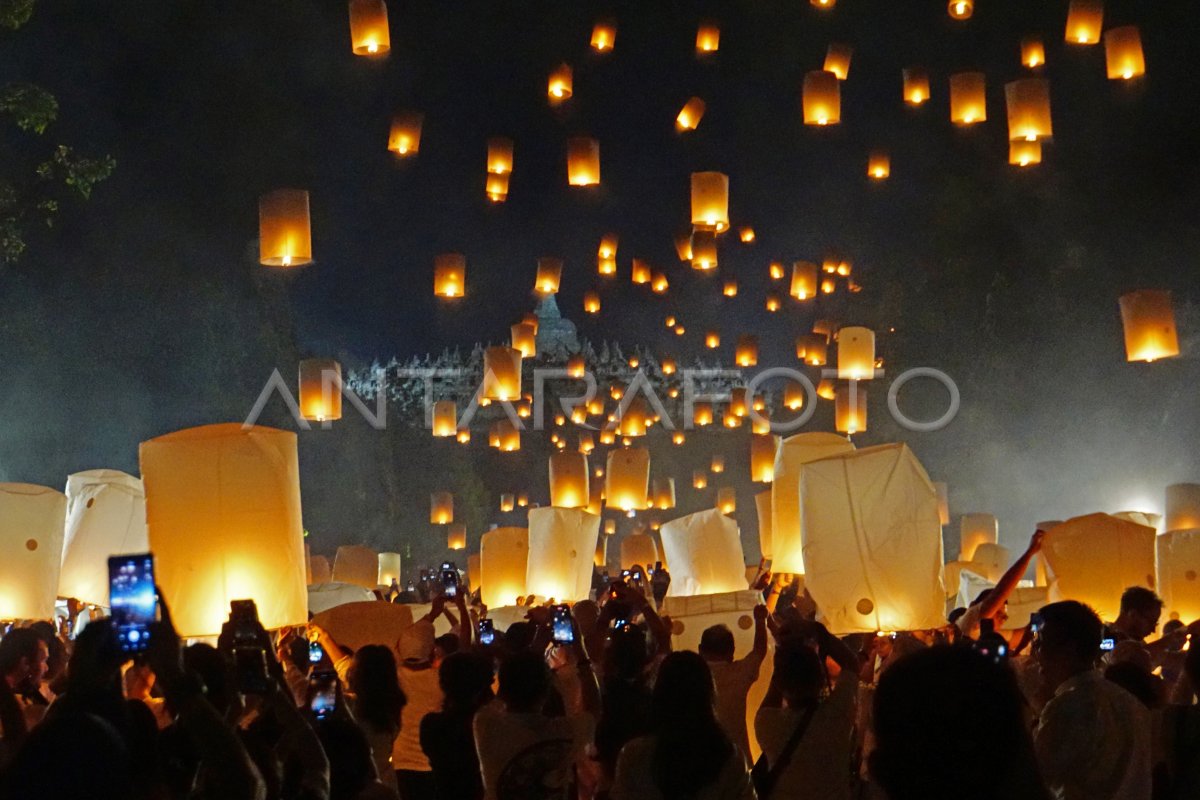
<point x="315" y="653"/>
<point x="450" y="579"/>
<point x="322" y="693"/>
<point x="1107" y="644"/>
<point x="562" y="630"/>
<point x="487" y="631"/>
<point x="133" y="600"/>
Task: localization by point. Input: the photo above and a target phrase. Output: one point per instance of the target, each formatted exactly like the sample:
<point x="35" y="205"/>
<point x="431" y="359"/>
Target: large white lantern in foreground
<point x="106" y="516"/>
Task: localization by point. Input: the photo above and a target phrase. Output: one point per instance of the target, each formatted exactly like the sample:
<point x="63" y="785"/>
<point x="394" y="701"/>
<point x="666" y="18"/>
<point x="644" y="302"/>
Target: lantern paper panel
<point x="1024" y="154"/>
<point x="762" y="457"/>
<point x="916" y="86"/>
<point x="549" y="277"/>
<point x="456" y="536"/>
<point x="960" y="9"/>
<point x="1123" y="55"/>
<point x="569" y="480"/>
<point x="560" y="85"/>
<point x="699" y="479"/>
<point x="872" y="543"/>
<point x="1096" y="557"/>
<point x="627" y="479"/>
<point x="856" y="353"/>
<point x="583" y="161"/>
<point x="441" y="508"/>
<point x="1084" y="21"/>
<point x="704" y="250"/>
<point x="389" y="569"/>
<point x="850" y="408"/>
<point x="786" y="502"/>
<point x="726" y="500"/>
<point x="1149" y="322"/>
<point x="837" y="60"/>
<point x="746" y="353"/>
<point x="404" y="138"/>
<point x="968" y="98"/>
<point x="499" y="155"/>
<point x="356" y="564"/>
<point x="974" y="530"/>
<point x="640" y="271"/>
<point x="320" y="384"/>
<point x="501" y="373"/>
<point x="710" y="201"/>
<point x="1033" y="52"/>
<point x="664" y="493"/>
<point x="1178" y="558"/>
<point x="822" y="99"/>
<point x="369" y="35"/>
<point x="223" y="513"/>
<point x="31" y="550"/>
<point x="604" y="35"/>
<point x="450" y="275"/>
<point x="445" y="418"/>
<point x="690" y="115"/>
<point x="1182" y="508"/>
<point x="503" y="565"/>
<point x="991" y="560"/>
<point x="762" y="505"/>
<point x="708" y="38"/>
<point x="638" y="549"/>
<point x="1028" y="105"/>
<point x="496" y="186"/>
<point x="705" y="553"/>
<point x="943" y="495"/>
<point x="321" y="569"/>
<point x="524" y="339"/>
<point x="106" y="516"/>
<point x="284" y="229"/>
<point x="562" y="546"/>
<point x="508" y="501"/>
<point x="879" y="165"/>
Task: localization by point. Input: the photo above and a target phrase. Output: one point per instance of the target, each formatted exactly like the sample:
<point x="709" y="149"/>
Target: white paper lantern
<point x="31" y="539"/>
<point x="106" y="516"/>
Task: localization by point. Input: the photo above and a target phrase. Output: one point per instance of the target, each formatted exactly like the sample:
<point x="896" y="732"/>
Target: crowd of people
<point x="592" y="701"/>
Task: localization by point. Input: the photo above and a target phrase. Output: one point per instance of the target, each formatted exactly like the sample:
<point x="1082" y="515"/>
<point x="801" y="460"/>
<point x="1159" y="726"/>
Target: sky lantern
<point x="1028" y="104"/>
<point x="591" y="302"/>
<point x="31" y="549"/>
<point x="569" y="480"/>
<point x="746" y="353"/>
<point x="223" y="512"/>
<point x="640" y="272"/>
<point x="731" y="420"/>
<point x="746" y="234"/>
<point x="943" y="499"/>
<point x="793" y="395"/>
<point x="879" y="165"/>
<point x="804" y="280"/>
<point x="717" y="464"/>
<point x="562" y="547"/>
<point x="974" y="530"/>
<point x="496" y="186"/>
<point x="508" y="501"/>
<point x="738" y="405"/>
<point x="610" y="526"/>
<point x="659" y="283"/>
<point x="604" y="35"/>
<point x="960" y="9"/>
<point x="968" y="98"/>
<point x="730" y="288"/>
<point x="916" y="86"/>
<point x="850" y="409"/>
<point x="704" y="250"/>
<point x="456" y="536"/>
<point x="499" y="155"/>
<point x="667" y="365"/>
<point x="762" y="457"/>
<point x="284" y="232"/>
<point x="1149" y="322"/>
<point x="524" y="339"/>
<point x="587" y="442"/>
<point x="389" y="571"/>
<point x="1033" y="52"/>
<point x="856" y="353"/>
<point x="699" y="479"/>
<point x="702" y="413"/>
<point x="816" y="350"/>
<point x="683" y="245"/>
<point x="1178" y="564"/>
<point x="606" y="266"/>
<point x="503" y="559"/>
<point x="827" y="389"/>
<point x="445" y="418"/>
<point x="549" y="274"/>
<point x="105" y="516"/>
<point x="1182" y="508"/>
<point x="1096" y="557"/>
<point x="712" y="340"/>
<point x="638" y="548"/>
<point x="449" y="275"/>
<point x="726" y="499"/>
<point x="689" y="116"/>
<point x="354" y="564"/>
<point x="710" y="201"/>
<point x="837" y="60"/>
<point x="441" y="508"/>
<point x="633" y="419"/>
<point x="501" y="373"/>
<point x="583" y="161"/>
<point x="664" y="493"/>
<point x="1084" y="21"/>
<point x="608" y="246"/>
<point x="828" y="286"/>
<point x="708" y="38"/>
<point x="772" y="302"/>
<point x="628" y="479"/>
<point x="522" y="499"/>
<point x="505" y="437"/>
<point x="1123" y="53"/>
<point x="822" y="98"/>
<point x="775" y="270"/>
<point x="1023" y="154"/>
<point x="404" y="139"/>
<point x="464" y="435"/>
<point x="560" y="85"/>
<point x="320" y="389"/>
<point x="369" y="28"/>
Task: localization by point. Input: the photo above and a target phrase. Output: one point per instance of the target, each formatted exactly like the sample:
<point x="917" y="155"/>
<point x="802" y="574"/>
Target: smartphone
<point x="243" y="614"/>
<point x="315" y="653"/>
<point x="133" y="600"/>
<point x="487" y="631"/>
<point x="562" y="631"/>
<point x="1035" y="622"/>
<point x="450" y="579"/>
<point x="625" y="576"/>
<point x="250" y="665"/>
<point x="1107" y="644"/>
<point x="322" y="693"/>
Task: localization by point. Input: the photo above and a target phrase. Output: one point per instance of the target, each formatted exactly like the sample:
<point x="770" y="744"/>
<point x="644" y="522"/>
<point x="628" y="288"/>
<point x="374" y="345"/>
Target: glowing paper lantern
<point x="772" y="303"/>
<point x="389" y="569"/>
<point x="705" y="553"/>
<point x="699" y="479"/>
<point x="762" y="457"/>
<point x="717" y="464"/>
<point x="559" y="86"/>
<point x="591" y="302"/>
<point x="708" y="38"/>
<point x="284" y="232"/>
<point x="1023" y="154"/>
<point x="562" y="545"/>
<point x="441" y="508"/>
<point x="683" y="246"/>
<point x="837" y="60"/>
<point x="508" y="501"/>
<point x="357" y="565"/>
<point x="223" y="512"/>
<point x="500" y="156"/>
<point x="968" y="98"/>
<point x="604" y="35"/>
<point x="501" y="373"/>
<point x="105" y="516"/>
<point x="730" y="288"/>
<point x="974" y="530"/>
<point x="659" y="284"/>
<point x="505" y="437"/>
<point x="456" y="536"/>
<point x="1149" y="322"/>
<point x="689" y="116"/>
<point x="464" y="435"/>
<point x="404" y="139"/>
<point x="503" y="561"/>
<point x="369" y="34"/>
<point x="1033" y="52"/>
<point x="549" y="275"/>
<point x="445" y="418"/>
<point x="960" y="9"/>
<point x="583" y="161"/>
<point x="664" y="493"/>
<point x="1028" y="104"/>
<point x="943" y="497"/>
<point x="627" y="479"/>
<point x="322" y="571"/>
<point x="600" y="558"/>
<point x="990" y="560"/>
<point x="793" y="396"/>
<point x="704" y="250"/>
<point x="737" y="401"/>
<point x="496" y="187"/>
<point x="746" y="353"/>
<point x="712" y="340"/>
<point x="610" y="526"/>
<point x="879" y="165"/>
<point x="320" y="389"/>
<point x="1178" y="574"/>
<point x="822" y="98"/>
<point x="850" y="408"/>
<point x="638" y="549"/>
<point x="916" y="86"/>
<point x="640" y="272"/>
<point x="872" y="543"/>
<point x="826" y="4"/>
<point x="608" y="246"/>
<point x="814" y="348"/>
<point x="450" y="275"/>
<point x="762" y="505"/>
<point x="856" y="353"/>
<point x="1096" y="557"/>
<point x="1084" y="21"/>
<point x="568" y="480"/>
<point x="524" y="339"/>
<point x="1182" y="508"/>
<point x="1123" y="53"/>
<point x="667" y="365"/>
<point x="31" y="550"/>
<point x="710" y="201"/>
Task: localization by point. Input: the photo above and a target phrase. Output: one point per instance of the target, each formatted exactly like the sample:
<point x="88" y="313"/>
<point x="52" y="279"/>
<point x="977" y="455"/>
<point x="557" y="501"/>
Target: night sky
<point x="144" y="310"/>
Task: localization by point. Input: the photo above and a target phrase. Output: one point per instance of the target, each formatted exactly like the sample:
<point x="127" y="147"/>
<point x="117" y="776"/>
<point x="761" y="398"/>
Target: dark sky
<point x="206" y="105"/>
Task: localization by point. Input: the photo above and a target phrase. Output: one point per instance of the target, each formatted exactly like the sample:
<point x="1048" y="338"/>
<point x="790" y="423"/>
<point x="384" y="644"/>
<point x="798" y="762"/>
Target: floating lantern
<point x="1095" y="558"/>
<point x="508" y="502"/>
<point x="1149" y="322"/>
<point x="579" y="414"/>
<point x="816" y="350"/>
<point x="449" y="275"/>
<point x="591" y="302"/>
<point x="549" y="274"/>
<point x="772" y="303"/>
<point x="499" y="155"/>
<point x="638" y="549"/>
<point x="706" y="557"/>
<point x="827" y="389"/>
<point x="1033" y="52"/>
<point x="804" y="281"/>
<point x="596" y="498"/>
<point x="738" y="405"/>
<point x="717" y="464"/>
<point x="583" y="161"/>
<point x="284" y="232"/>
<point x="731" y="420"/>
<point x="678" y="438"/>
<point x="826" y="4"/>
<point x="522" y="500"/>
<point x="775" y="271"/>
<point x="968" y="98"/>
<point x="670" y="321"/>
<point x="1028" y="104"/>
<point x="828" y="286"/>
<point x="501" y="373"/>
<point x="856" y="353"/>
<point x="1024" y="154"/>
<point x="786" y="523"/>
<point x="633" y="420"/>
<point x="712" y="340"/>
<point x="699" y="479"/>
<point x="664" y="493"/>
<point x="320" y="389"/>
<point x="559" y="86"/>
<point x="604" y="35"/>
<point x="464" y="436"/>
<point x="640" y="272"/>
<point x="704" y="250"/>
<point x="702" y="413"/>
<point x="445" y="418"/>
<point x="710" y="201"/>
<point x="1123" y="53"/>
<point x="441" y="508"/>
<point x="606" y="266"/>
<point x="524" y="339"/>
<point x="837" y="60"/>
<point x="562" y="546"/>
<point x="726" y="500"/>
<point x="960" y="9"/>
<point x="389" y="569"/>
<point x="916" y="86"/>
<point x="628" y="479"/>
<point x="369" y="28"/>
<point x="793" y="395"/>
<point x="746" y="234"/>
<point x="683" y="246"/>
<point x="1182" y="508"/>
<point x="354" y="564"/>
<point x="586" y="442"/>
<point x="974" y="530"/>
<point x="746" y="353"/>
<point x="31" y="542"/>
<point x="456" y="536"/>
<point x="569" y="480"/>
<point x="503" y="560"/>
<point x="1084" y="21"/>
<point x="822" y="98"/>
<point x="1178" y="568"/>
<point x="496" y="187"/>
<point x="610" y="526"/>
<point x="731" y="288"/>
<point x="667" y="365"/>
<point x="879" y="165"/>
<point x="659" y="284"/>
<point x="762" y="457"/>
<point x="608" y="246"/>
<point x="690" y="115"/>
<point x="850" y="409"/>
<point x="404" y="139"/>
<point x="105" y="516"/>
<point x="708" y="38"/>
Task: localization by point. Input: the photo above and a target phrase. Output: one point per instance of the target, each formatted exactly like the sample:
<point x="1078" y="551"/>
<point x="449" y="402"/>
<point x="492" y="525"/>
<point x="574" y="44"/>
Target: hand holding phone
<point x="450" y="579"/>
<point x="322" y="693"/>
<point x="487" y="631"/>
<point x="562" y="627"/>
<point x="133" y="600"/>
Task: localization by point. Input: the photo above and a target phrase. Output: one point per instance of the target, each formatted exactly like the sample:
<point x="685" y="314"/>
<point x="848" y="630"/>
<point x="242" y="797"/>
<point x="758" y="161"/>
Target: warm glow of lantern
<point x="659" y="284"/>
<point x="449" y="275"/>
<point x="746" y="234"/>
<point x="683" y="245"/>
<point x="608" y="246"/>
<point x="708" y="38"/>
<point x="667" y="365"/>
<point x="680" y="330"/>
<point x="503" y="565"/>
<point x="793" y="395"/>
<point x="699" y="479"/>
<point x="628" y="479"/>
<point x="464" y="436"/>
<point x="1028" y="104"/>
<point x="968" y="98"/>
<point x="501" y="373"/>
<point x="717" y="464"/>
<point x="804" y="280"/>
<point x="549" y="274"/>
<point x="522" y="499"/>
<point x="775" y="271"/>
<point x="508" y="501"/>
<point x="816" y="350"/>
<point x="689" y="116"/>
<point x="320" y="389"/>
<point x="591" y="302"/>
<point x="500" y="155"/>
<point x="1024" y="154"/>
<point x="560" y="85"/>
<point x="1033" y="52"/>
<point x="640" y="272"/>
<point x="606" y="266"/>
<point x="710" y="201"/>
<point x="586" y="442"/>
<point x="712" y="340"/>
<point x="369" y="34"/>
<point x="961" y="9"/>
<point x="727" y="499"/>
<point x="1149" y="321"/>
<point x="828" y="286"/>
<point x="604" y="35"/>
<point x="879" y="165"/>
<point x="1123" y="53"/>
<point x="569" y="480"/>
<point x="731" y="288"/>
<point x="678" y="438"/>
<point x="284" y="232"/>
<point x="916" y="86"/>
<point x="441" y="508"/>
<point x="772" y="303"/>
<point x="850" y="408"/>
<point x="524" y="339"/>
<point x="856" y="353"/>
<point x="746" y="353"/>
<point x="823" y="3"/>
<point x="496" y="186"/>
<point x="583" y="161"/>
<point x="704" y="250"/>
<point x="837" y="60"/>
<point x="664" y="493"/>
<point x="827" y="389"/>
<point x="504" y="436"/>
<point x="445" y="418"/>
<point x="702" y="414"/>
<point x="822" y="98"/>
<point x="404" y="139"/>
<point x="1084" y="21"/>
<point x="762" y="457"/>
<point x="456" y="536"/>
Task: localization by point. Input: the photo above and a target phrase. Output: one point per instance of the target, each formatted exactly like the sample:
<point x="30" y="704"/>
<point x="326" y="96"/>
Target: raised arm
<point x="1009" y="580"/>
